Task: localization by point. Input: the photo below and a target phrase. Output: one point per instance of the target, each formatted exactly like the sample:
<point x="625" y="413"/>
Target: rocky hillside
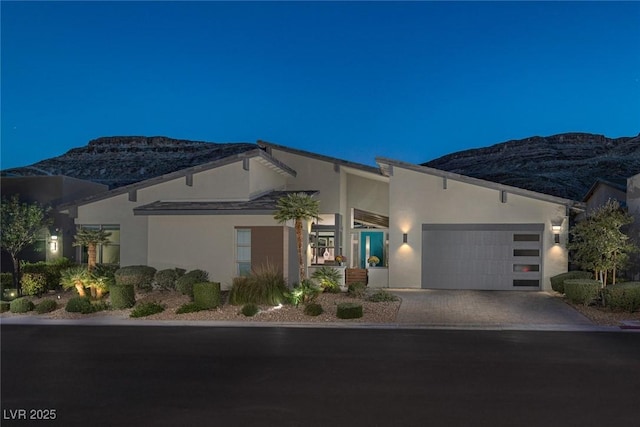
<point x="564" y="165"/>
<point x="121" y="160"/>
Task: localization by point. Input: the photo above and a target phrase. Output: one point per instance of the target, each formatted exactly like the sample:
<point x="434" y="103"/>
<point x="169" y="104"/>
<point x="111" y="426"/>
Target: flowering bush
<point x="373" y="259"/>
<point x="341" y="258"/>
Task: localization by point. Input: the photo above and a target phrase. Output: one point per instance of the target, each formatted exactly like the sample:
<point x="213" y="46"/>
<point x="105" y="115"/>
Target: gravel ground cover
<point x="373" y="312"/>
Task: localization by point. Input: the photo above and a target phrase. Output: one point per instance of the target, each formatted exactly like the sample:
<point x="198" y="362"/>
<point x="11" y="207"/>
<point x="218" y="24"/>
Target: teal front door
<point x="372" y="244"/>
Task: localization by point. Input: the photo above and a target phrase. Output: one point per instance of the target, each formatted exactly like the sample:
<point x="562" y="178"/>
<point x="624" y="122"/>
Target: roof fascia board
<point x="145" y="212"/>
<point x="480" y="182"/>
<point x="257" y="152"/>
<point x="320" y="157"/>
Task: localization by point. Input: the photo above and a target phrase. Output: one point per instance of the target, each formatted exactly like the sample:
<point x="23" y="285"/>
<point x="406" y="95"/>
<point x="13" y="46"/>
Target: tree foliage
<point x="599" y="242"/>
<point x="297" y="207"/>
<point x="91" y="238"/>
<point x="19" y="228"/>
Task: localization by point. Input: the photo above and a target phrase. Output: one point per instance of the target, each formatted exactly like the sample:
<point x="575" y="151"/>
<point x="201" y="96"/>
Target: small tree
<point x="297" y="207"/>
<point x="599" y="243"/>
<point x="91" y="238"/>
<point x="19" y="228"/>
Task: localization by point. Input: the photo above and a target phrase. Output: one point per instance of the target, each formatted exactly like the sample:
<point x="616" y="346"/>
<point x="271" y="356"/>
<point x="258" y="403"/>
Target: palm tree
<point x="91" y="238"/>
<point x="297" y="207"/>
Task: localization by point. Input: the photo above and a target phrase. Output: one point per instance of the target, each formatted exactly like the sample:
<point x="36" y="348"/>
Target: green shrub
<point x="77" y="278"/>
<point x="265" y="286"/>
<point x="582" y="291"/>
<point x="250" y="310"/>
<point x="557" y="282"/>
<point x="190" y="307"/>
<point x="304" y="293"/>
<point x="33" y="283"/>
<point x="382" y="296"/>
<point x="180" y="271"/>
<point x="46" y="306"/>
<point x="349" y="310"/>
<point x="50" y="270"/>
<point x="144" y="309"/>
<point x="106" y="270"/>
<point x="313" y="309"/>
<point x="357" y="289"/>
<point x="140" y="276"/>
<point x="165" y="279"/>
<point x="6" y="281"/>
<point x="79" y="305"/>
<point x="21" y="305"/>
<point x="122" y="296"/>
<point x="4" y="306"/>
<point x="623" y="296"/>
<point x="185" y="283"/>
<point x="328" y="278"/>
<point x="207" y="294"/>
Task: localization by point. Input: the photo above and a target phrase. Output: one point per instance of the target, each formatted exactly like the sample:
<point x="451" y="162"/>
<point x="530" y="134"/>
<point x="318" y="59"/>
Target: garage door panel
<point x="481" y="256"/>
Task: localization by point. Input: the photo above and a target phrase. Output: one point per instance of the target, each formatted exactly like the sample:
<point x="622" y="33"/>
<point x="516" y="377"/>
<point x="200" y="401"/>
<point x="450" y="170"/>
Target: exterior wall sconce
<point x="556" y="233"/>
<point x="405" y="238"/>
<point x="53" y="244"/>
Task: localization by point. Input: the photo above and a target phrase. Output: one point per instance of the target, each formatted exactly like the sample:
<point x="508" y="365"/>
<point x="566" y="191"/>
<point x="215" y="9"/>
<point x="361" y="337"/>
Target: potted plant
<point x="341" y="259"/>
<point x="373" y="260"/>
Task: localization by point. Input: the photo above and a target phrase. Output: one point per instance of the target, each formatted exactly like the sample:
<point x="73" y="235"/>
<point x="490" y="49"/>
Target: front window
<point x="243" y="251"/>
<point x="105" y="254"/>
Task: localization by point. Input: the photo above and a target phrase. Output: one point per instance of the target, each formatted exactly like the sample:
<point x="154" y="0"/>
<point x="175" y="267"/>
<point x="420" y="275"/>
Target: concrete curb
<point x="110" y="321"/>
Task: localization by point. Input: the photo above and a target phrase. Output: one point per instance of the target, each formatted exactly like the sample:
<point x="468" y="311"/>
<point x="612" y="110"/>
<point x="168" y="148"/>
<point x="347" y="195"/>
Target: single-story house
<point x="429" y="228"/>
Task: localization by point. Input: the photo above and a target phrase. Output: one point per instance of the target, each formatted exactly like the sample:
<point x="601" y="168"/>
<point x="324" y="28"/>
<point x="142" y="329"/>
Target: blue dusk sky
<point x="411" y="81"/>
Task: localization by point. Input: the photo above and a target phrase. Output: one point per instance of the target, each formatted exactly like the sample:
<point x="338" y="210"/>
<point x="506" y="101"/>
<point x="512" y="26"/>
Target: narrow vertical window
<point x="243" y="251"/>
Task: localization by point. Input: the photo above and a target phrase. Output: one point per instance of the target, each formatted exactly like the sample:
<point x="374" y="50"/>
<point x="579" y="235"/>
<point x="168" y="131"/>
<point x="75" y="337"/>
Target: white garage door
<point x="482" y="256"/>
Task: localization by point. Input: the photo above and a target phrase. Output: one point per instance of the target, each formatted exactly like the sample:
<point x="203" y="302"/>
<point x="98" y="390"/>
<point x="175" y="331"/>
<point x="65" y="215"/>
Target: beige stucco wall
<point x="417" y="198"/>
<point x="229" y="182"/>
<point x="367" y="194"/>
<point x="204" y="242"/>
<point x="313" y="174"/>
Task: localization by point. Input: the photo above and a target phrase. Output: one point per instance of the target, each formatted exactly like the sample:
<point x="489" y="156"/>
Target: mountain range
<point x="564" y="165"/>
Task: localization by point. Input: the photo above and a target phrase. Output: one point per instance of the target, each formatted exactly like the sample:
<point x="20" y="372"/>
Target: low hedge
<point x="206" y="295"/>
<point x="46" y="306"/>
<point x="185" y="283"/>
<point x="21" y="305"/>
<point x="4" y="306"/>
<point x="357" y="289"/>
<point x="623" y="296"/>
<point x="51" y="271"/>
<point x="80" y="305"/>
<point x="313" y="309"/>
<point x="145" y="309"/>
<point x="349" y="310"/>
<point x="33" y="284"/>
<point x="140" y="276"/>
<point x="582" y="291"/>
<point x="122" y="296"/>
<point x="165" y="279"/>
<point x="557" y="282"/>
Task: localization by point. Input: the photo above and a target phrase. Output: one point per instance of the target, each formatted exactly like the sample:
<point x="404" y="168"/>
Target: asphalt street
<point x="213" y="376"/>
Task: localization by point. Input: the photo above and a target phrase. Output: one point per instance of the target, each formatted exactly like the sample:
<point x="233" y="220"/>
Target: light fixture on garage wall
<point x="556" y="233"/>
<point x="405" y="238"/>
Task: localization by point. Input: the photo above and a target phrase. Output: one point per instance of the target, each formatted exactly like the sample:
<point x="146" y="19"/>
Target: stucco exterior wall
<point x="204" y="242"/>
<point x="313" y="174"/>
<point x="263" y="179"/>
<point x="226" y="182"/>
<point x="602" y="194"/>
<point x="416" y="198"/>
<point x="367" y="194"/>
<point x="118" y="210"/>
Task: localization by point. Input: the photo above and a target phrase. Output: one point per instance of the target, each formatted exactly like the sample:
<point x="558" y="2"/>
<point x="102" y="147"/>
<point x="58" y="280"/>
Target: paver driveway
<point x="485" y="308"/>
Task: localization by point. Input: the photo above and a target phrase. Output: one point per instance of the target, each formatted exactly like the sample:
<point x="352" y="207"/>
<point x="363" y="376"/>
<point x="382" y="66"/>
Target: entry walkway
<point x="456" y="308"/>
